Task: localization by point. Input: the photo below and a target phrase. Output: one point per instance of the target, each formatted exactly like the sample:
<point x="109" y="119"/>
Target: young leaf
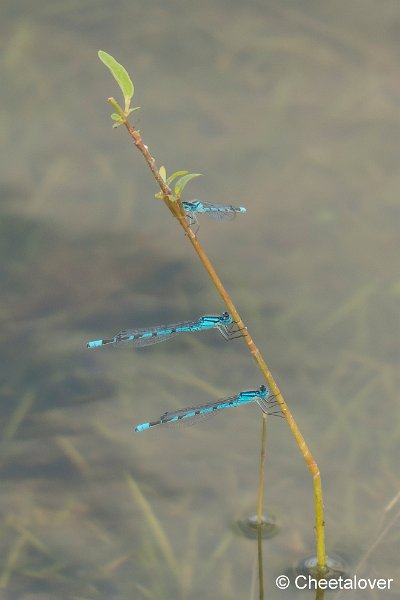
<point x="175" y="175"/>
<point x="162" y="196"/>
<point x="163" y="174"/>
<point x="120" y="74"/>
<point x="183" y="181"/>
<point x="132" y="110"/>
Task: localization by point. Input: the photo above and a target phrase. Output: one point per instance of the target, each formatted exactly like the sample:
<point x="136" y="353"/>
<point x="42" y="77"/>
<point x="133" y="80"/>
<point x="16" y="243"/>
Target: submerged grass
<point x="73" y="454"/>
<point x="188" y="571"/>
<point x="18" y="416"/>
<point x="12" y="559"/>
<point x="155" y="525"/>
<point x="359" y="392"/>
<point x="31" y="553"/>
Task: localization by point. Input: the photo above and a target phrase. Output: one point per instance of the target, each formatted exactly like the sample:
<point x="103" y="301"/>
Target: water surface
<point x="289" y="110"/>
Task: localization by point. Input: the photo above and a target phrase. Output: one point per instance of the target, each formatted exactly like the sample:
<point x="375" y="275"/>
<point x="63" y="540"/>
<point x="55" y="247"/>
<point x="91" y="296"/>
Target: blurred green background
<point x="290" y="109"/>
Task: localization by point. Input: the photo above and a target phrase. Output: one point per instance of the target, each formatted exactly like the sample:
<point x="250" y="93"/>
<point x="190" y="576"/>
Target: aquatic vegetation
<point x="179" y="208"/>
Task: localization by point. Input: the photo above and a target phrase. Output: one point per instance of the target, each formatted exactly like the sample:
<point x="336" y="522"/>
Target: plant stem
<point x="260" y="558"/>
<point x="177" y="210"/>
<point x="262" y="470"/>
<point x="260" y="506"/>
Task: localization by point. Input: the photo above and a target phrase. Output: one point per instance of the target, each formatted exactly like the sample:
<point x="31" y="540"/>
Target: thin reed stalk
<point x="260" y="505"/>
<point x="175" y="206"/>
<point x="262" y="470"/>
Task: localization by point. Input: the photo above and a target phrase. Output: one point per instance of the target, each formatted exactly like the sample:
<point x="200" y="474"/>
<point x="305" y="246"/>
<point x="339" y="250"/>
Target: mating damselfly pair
<point x="161" y="333"/>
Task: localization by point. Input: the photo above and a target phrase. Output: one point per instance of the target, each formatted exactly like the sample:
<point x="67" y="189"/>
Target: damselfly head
<point x="226" y="318"/>
<point x="195" y="204"/>
<point x="263" y="391"/>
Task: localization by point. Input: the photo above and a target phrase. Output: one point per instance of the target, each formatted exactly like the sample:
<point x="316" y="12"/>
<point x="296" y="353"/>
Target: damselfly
<point x="261" y="396"/>
<point x="162" y="333"/>
<point x="220" y="212"/>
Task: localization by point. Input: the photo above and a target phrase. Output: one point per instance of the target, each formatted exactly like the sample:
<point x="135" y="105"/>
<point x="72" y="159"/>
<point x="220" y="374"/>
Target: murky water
<point x="292" y="111"/>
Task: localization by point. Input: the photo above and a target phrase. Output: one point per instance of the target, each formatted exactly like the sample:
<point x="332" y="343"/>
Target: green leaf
<point x="163" y="174"/>
<point x="115" y="117"/>
<point x="120" y="74"/>
<point x="183" y="181"/>
<point x="175" y="175"/>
